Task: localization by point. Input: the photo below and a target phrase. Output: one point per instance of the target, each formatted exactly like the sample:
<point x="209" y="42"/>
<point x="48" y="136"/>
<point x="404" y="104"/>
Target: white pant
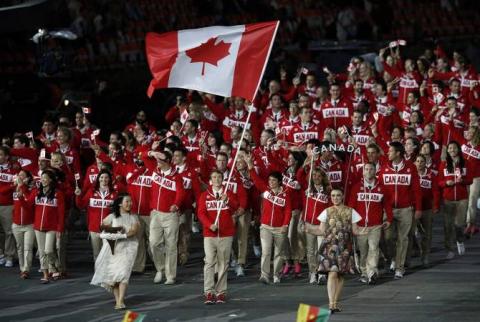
<point x="272" y="237"/>
<point x="163" y="242"/>
<point x="217" y="254"/>
<point x="6" y="223"/>
<point x="97" y="243"/>
<point x="25" y="237"/>
<point x="46" y="247"/>
<point x="474" y="194"/>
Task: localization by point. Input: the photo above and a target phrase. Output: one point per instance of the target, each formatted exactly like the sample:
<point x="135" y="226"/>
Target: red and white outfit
<point x="22" y="228"/>
<point x="98" y="204"/>
<point x="276" y="214"/>
<point x="336" y="113"/>
<point x="49" y="219"/>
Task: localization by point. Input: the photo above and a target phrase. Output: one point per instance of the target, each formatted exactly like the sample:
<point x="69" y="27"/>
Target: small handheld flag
<point x="131" y="316"/>
<point x="309" y="313"/>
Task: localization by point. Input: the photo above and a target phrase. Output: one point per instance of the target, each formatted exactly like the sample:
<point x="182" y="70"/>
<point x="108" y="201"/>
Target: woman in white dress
<point x="114" y="263"/>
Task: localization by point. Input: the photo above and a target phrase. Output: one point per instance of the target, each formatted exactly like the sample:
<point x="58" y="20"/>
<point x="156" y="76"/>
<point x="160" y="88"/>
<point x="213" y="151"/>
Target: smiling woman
<point x="114" y="266"/>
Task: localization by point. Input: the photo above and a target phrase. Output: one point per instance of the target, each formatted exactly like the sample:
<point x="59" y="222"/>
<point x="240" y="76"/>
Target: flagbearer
<point x="218" y="236"/>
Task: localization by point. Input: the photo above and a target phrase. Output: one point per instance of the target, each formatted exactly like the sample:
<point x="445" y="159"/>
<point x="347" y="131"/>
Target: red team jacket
<point x="402" y="184"/>
<point x="98" y="207"/>
<point x="276" y="208"/>
<point x="370" y="202"/>
<point x="49" y="213"/>
<point x="208" y="207"/>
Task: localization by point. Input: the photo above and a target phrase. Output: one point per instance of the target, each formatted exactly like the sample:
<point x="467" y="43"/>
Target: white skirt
<point x="112" y="269"/>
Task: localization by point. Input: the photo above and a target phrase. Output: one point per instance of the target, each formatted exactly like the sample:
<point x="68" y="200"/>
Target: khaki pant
<point x="368" y="241"/>
<point x="424" y="226"/>
<point x="217" y="254"/>
<point x="6" y="223"/>
<point x="243" y="227"/>
<point x="24" y="237"/>
<point x="61" y="246"/>
<point x="454" y="222"/>
<point x="396" y="236"/>
<point x="143" y="236"/>
<point x="312" y="243"/>
<point x="46" y="247"/>
<point x="272" y="237"/>
<point x="295" y="247"/>
<point x="163" y="242"/>
<point x="97" y="243"/>
<point x="474" y="194"/>
<point x="185" y="233"/>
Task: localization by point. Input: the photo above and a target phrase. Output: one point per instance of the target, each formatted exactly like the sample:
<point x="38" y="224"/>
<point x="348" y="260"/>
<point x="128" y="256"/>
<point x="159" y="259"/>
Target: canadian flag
<point x="226" y="61"/>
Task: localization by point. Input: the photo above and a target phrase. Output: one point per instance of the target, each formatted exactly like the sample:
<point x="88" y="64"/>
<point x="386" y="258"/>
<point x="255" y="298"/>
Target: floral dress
<point x="336" y="251"/>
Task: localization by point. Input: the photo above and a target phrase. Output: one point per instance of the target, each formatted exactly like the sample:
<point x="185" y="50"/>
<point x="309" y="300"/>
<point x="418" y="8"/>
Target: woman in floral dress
<point x="337" y="225"/>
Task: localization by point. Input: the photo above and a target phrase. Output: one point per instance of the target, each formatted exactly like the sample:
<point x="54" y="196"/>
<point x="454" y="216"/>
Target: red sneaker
<point x="221" y="298"/>
<point x="474" y="229"/>
<point x="286" y="269"/>
<point x="209" y="299"/>
<point x="297" y="269"/>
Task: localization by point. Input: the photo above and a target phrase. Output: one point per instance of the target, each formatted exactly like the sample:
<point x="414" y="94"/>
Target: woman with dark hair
<point x="416" y="122"/>
<point x="471" y="153"/>
<point x="454" y="177"/>
<point x="114" y="263"/>
<point x="22" y="224"/>
<point x="412" y="149"/>
<point x="49" y="220"/>
<point x="315" y="200"/>
<point x="295" y="246"/>
<point x="427" y="150"/>
<point x="210" y="148"/>
<point x="98" y="201"/>
<point x="430" y="206"/>
<point x="337" y="224"/>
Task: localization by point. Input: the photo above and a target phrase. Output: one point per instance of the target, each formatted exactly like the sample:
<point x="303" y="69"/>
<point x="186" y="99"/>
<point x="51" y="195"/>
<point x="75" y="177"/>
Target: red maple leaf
<point x="209" y="52"/>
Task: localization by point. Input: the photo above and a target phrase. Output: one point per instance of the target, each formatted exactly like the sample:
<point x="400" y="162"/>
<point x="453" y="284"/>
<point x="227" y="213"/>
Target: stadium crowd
<point x="400" y="145"/>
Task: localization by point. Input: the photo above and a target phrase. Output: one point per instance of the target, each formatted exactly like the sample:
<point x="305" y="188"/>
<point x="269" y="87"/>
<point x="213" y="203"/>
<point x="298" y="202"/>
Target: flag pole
<point x="309" y="184"/>
<point x="225" y="189"/>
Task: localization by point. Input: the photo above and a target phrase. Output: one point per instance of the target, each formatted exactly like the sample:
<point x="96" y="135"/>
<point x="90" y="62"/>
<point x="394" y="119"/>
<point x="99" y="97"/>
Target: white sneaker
<point x="257" y="251"/>
<point x="3" y="260"/>
<point x="169" y="282"/>
<point x="363" y="279"/>
<point x="450" y="255"/>
<point x="393" y="266"/>
<point x="322" y="279"/>
<point x="398" y="275"/>
<point x="239" y="270"/>
<point x="158" y="278"/>
<point x="9" y="264"/>
<point x="195" y="228"/>
<point x="233" y="263"/>
<point x="313" y="278"/>
<point x="276" y="280"/>
<point x="461" y="248"/>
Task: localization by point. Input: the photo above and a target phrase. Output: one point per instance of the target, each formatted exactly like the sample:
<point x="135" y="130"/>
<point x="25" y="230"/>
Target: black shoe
<point x="137" y="273"/>
<point x="373" y="279"/>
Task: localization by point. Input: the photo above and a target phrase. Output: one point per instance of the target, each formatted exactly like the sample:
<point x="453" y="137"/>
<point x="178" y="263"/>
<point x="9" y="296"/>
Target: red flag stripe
<point x="252" y="58"/>
<point x="161" y="57"/>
